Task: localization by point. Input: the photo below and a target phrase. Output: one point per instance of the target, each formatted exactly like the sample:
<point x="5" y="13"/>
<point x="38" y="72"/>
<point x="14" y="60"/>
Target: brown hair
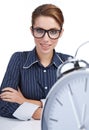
<point x="48" y="10"/>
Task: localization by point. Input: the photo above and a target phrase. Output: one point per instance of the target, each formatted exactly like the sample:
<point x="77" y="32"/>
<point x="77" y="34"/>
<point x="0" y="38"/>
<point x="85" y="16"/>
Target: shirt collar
<point x="57" y="59"/>
<point x="32" y="59"/>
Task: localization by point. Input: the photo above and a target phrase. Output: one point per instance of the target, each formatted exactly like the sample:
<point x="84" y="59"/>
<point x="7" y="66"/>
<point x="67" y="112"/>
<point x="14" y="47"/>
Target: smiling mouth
<point x="45" y="45"/>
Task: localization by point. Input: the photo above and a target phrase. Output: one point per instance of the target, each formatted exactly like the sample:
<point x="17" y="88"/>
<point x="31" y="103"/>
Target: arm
<point x="7" y="108"/>
<point x="8" y="105"/>
<point x="12" y="95"/>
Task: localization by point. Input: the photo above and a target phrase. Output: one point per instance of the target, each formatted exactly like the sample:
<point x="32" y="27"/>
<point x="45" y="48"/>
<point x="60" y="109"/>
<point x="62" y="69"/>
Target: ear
<point x="61" y="32"/>
<point x="31" y="30"/>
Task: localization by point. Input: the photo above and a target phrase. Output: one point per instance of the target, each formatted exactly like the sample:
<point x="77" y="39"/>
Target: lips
<point x="45" y="46"/>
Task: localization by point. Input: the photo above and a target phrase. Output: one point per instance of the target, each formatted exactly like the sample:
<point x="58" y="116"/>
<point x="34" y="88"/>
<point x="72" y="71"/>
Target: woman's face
<point x="45" y="45"/>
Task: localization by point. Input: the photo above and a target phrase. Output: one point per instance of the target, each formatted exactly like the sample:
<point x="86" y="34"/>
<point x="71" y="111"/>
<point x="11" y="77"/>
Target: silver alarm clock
<point x="67" y="103"/>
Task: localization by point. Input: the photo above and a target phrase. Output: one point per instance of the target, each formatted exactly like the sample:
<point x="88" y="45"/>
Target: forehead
<point x="46" y="22"/>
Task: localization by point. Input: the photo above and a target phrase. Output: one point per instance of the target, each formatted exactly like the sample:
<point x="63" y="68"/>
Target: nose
<point x="46" y="37"/>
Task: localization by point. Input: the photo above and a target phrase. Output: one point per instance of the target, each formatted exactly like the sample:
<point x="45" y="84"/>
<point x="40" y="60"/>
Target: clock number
<point x="53" y="120"/>
<point x="59" y="102"/>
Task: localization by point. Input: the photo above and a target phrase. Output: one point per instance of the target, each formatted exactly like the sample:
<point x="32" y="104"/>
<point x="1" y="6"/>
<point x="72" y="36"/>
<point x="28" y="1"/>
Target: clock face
<point x="67" y="104"/>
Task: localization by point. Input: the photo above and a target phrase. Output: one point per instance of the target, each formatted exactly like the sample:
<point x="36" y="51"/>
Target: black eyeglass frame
<point x="45" y="31"/>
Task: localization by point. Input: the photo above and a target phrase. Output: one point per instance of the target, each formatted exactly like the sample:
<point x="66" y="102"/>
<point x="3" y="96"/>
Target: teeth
<point x="45" y="45"/>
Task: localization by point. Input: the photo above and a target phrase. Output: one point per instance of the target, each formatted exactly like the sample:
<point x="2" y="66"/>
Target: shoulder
<point x="23" y="54"/>
<point x="64" y="56"/>
<point x="19" y="57"/>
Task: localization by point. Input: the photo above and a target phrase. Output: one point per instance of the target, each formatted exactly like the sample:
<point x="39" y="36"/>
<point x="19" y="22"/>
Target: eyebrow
<point x="54" y="28"/>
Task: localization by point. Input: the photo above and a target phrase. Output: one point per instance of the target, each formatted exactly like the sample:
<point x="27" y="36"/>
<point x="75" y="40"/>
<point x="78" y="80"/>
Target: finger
<point x="9" y="89"/>
<point x="37" y="113"/>
<point x="7" y="99"/>
<point x="6" y="95"/>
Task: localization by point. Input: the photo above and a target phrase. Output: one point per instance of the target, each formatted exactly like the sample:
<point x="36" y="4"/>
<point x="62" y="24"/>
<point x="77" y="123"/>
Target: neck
<point x="45" y="59"/>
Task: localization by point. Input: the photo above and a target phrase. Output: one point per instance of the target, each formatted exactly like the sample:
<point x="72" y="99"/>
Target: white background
<point x="15" y="20"/>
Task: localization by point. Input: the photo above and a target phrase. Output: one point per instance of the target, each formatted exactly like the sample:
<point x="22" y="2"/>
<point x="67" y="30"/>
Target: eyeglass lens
<point x="52" y="33"/>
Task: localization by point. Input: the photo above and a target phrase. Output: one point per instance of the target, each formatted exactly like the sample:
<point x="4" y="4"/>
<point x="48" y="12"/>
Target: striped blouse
<point x="25" y="71"/>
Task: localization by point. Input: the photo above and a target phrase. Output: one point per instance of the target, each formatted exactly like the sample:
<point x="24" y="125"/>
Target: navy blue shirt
<point x="25" y="71"/>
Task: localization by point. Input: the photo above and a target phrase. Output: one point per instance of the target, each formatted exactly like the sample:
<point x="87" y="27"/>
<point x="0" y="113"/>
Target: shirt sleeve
<point x="12" y="74"/>
<point x="43" y="102"/>
<point x="8" y="108"/>
<point x="11" y="79"/>
<point x="25" y="111"/>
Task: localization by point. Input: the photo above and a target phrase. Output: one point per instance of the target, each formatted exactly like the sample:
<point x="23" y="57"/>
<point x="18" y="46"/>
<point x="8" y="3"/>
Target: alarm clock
<point x="67" y="103"/>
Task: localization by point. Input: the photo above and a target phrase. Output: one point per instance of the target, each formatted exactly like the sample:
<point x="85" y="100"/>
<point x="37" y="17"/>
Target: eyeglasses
<point x="40" y="33"/>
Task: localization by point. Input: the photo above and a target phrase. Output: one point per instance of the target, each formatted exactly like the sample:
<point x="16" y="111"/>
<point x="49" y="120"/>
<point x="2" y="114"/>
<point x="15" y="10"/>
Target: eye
<point x="39" y="30"/>
<point x="53" y="32"/>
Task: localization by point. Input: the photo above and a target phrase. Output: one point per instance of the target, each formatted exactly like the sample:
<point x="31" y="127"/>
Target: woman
<point x="30" y="75"/>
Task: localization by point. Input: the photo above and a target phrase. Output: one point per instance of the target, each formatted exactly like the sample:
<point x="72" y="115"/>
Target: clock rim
<point x="53" y="92"/>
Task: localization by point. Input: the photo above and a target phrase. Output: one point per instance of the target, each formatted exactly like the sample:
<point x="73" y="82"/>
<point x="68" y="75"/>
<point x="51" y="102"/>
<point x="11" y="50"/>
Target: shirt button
<point x="46" y="87"/>
<point x="44" y="70"/>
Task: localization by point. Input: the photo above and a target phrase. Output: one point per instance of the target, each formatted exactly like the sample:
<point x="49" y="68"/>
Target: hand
<point x="12" y="95"/>
<point x="37" y="114"/>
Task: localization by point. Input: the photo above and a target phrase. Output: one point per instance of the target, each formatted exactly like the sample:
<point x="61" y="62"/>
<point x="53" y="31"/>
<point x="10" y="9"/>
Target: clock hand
<point x="83" y="114"/>
<point x="82" y="127"/>
<point x="74" y="108"/>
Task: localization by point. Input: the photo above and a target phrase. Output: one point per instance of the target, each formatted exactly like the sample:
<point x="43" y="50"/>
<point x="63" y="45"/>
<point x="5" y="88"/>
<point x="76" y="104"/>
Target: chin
<point x="45" y="51"/>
